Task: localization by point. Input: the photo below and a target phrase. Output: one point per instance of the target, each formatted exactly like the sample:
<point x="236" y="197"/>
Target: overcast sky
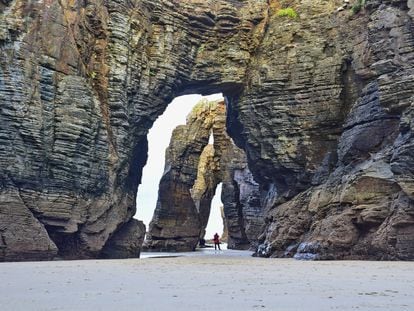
<point x="158" y="140"/>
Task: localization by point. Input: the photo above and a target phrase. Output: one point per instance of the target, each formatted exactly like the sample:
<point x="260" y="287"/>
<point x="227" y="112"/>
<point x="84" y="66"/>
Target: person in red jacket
<point x="216" y="242"/>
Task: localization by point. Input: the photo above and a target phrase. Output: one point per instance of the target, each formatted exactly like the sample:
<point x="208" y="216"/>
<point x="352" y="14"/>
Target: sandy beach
<point x="229" y="280"/>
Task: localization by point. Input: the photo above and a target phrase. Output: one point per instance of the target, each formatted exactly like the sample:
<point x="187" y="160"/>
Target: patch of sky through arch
<point x="158" y="140"/>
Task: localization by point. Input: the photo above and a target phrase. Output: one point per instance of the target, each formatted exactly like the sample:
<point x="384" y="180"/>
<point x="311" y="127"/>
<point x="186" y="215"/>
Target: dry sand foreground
<point x="230" y="280"/>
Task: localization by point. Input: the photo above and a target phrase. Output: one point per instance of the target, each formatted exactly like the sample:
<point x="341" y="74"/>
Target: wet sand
<point x="228" y="280"/>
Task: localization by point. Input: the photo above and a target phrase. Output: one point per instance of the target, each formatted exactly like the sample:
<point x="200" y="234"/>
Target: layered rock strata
<point x="80" y="85"/>
<point x="358" y="200"/>
<point x="321" y="104"/>
<point x="193" y="169"/>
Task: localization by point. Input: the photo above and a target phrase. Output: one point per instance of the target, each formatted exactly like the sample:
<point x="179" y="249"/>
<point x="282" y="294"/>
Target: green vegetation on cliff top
<point x="288" y="12"/>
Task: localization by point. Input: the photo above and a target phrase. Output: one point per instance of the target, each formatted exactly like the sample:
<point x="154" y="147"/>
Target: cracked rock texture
<point x="80" y="85"/>
<point x="193" y="169"/>
<point x="344" y="114"/>
<point x="321" y="105"/>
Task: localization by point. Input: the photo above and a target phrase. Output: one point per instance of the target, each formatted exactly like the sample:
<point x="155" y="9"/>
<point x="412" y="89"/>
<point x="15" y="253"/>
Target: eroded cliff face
<point x="81" y="84"/>
<point x="193" y="169"/>
<point x="358" y="202"/>
<point x="321" y="104"/>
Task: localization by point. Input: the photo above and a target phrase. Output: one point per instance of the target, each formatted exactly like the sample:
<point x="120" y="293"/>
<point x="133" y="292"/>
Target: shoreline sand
<point x="229" y="280"/>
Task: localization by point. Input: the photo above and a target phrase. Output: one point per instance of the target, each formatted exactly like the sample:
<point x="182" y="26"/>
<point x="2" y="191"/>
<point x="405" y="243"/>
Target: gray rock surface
<point x="321" y="105"/>
<point x="81" y="84"/>
<point x="126" y="242"/>
<point x="354" y="209"/>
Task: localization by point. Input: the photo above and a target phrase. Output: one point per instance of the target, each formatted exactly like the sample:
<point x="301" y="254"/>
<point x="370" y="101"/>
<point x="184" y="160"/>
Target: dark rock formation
<point x="22" y="235"/>
<point x="356" y="205"/>
<point x="80" y="85"/>
<point x="193" y="169"/>
<point x="244" y="215"/>
<point x="321" y="104"/>
<point x="127" y="242"/>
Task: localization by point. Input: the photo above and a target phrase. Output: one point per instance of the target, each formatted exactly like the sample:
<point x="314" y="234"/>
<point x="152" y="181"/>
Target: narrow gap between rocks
<point x="215" y="221"/>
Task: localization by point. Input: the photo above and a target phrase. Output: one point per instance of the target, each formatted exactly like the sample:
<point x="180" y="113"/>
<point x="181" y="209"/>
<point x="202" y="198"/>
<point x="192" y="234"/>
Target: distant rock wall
<point x="321" y="105"/>
<point x="176" y="223"/>
<point x="193" y="169"/>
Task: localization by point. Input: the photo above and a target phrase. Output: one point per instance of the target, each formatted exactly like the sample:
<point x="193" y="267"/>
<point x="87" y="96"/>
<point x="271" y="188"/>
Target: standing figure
<point x="217" y="242"/>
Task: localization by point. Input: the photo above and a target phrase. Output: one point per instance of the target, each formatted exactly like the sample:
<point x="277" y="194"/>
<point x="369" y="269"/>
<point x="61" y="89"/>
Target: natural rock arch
<point x="322" y="105"/>
<point x="93" y="78"/>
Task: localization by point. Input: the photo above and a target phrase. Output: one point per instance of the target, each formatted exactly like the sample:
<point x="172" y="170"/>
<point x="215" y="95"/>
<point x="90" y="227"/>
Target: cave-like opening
<point x="159" y="138"/>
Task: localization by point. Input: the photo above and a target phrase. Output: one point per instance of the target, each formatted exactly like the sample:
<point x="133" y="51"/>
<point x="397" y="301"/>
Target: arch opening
<point x="187" y="185"/>
<point x="159" y="138"/>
